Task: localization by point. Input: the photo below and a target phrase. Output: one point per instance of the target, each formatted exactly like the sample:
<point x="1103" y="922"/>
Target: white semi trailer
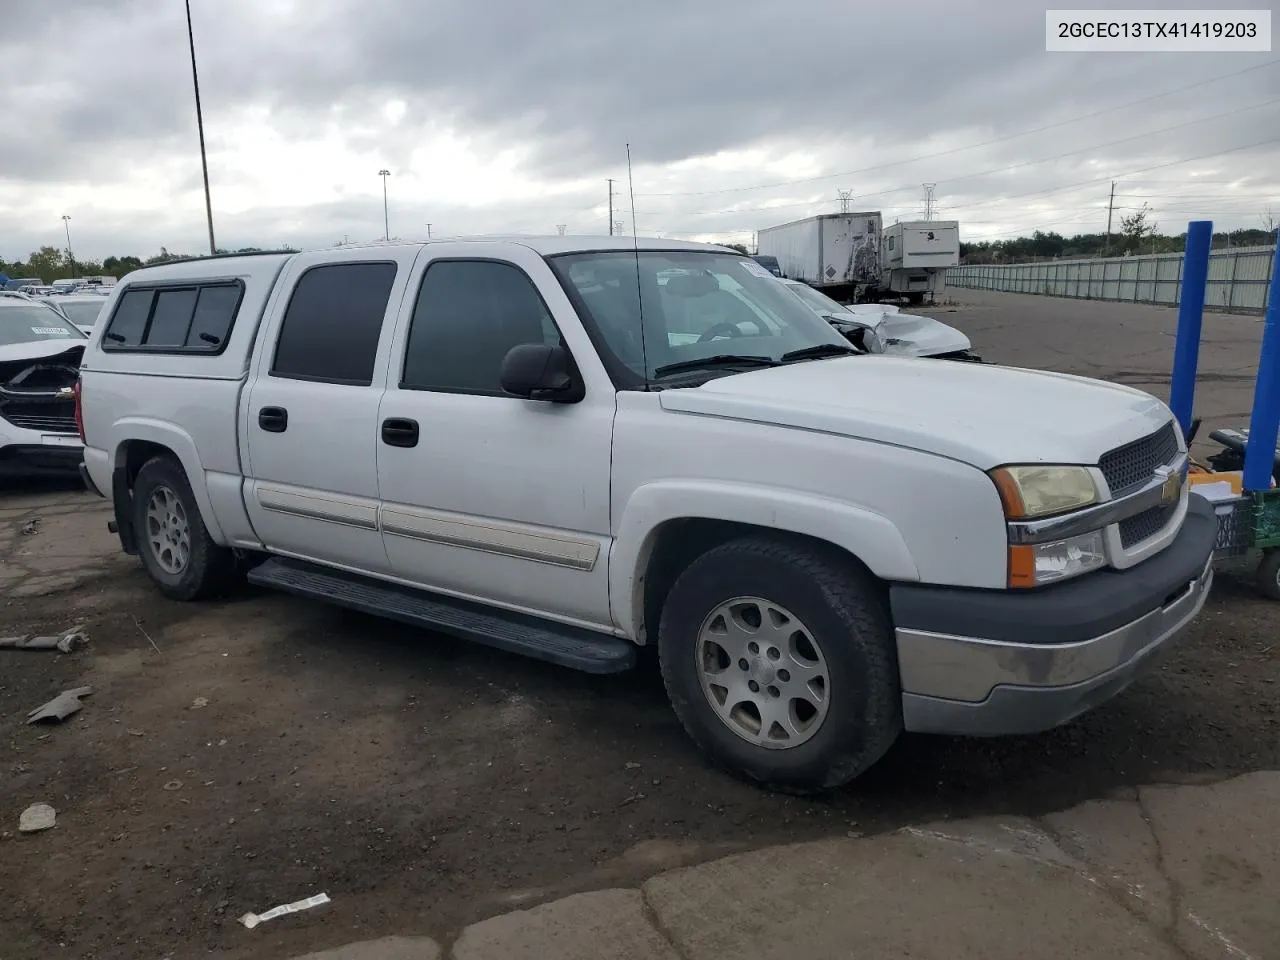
<point x="838" y="253"/>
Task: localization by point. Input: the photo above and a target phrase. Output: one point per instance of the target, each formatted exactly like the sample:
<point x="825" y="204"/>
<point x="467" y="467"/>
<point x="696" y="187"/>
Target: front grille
<point x="1135" y="463"/>
<point x="44" y="424"/>
<point x="1142" y="526"/>
<point x="48" y="416"/>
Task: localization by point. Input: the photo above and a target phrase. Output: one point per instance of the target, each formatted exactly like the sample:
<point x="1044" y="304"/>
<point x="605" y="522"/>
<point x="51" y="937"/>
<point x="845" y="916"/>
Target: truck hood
<point x="67" y="349"/>
<point x="983" y="415"/>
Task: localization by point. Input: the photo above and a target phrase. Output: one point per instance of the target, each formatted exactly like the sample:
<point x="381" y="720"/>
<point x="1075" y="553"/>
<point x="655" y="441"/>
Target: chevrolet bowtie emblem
<point x="1171" y="488"/>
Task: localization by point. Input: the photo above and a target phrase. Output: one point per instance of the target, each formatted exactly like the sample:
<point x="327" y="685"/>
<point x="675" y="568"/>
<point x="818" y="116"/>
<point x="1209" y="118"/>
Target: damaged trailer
<point x="40" y="353"/>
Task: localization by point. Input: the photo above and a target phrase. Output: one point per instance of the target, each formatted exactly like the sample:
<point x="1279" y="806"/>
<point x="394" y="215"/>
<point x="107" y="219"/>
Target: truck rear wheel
<point x="779" y="661"/>
<point x="176" y="549"/>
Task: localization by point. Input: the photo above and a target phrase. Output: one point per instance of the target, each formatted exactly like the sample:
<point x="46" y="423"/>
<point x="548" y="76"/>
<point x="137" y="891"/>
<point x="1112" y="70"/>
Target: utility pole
<point x="928" y="200"/>
<point x="610" y="182"/>
<point x="1111" y="205"/>
<point x="386" y="219"/>
<point x="204" y="161"/>
<point x="66" y="222"/>
<point x="428" y="231"/>
<point x="845" y="196"/>
<point x="618" y="228"/>
<point x="561" y="228"/>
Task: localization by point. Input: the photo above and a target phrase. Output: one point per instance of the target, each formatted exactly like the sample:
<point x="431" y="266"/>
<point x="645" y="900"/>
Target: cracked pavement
<point x="1164" y="873"/>
<point x="67" y="546"/>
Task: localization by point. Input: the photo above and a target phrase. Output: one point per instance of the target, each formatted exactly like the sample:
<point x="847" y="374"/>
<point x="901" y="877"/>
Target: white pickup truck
<point x="571" y="448"/>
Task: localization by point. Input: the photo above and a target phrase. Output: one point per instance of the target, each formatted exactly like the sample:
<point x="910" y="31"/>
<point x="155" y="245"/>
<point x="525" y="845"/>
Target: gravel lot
<point x="274" y="749"/>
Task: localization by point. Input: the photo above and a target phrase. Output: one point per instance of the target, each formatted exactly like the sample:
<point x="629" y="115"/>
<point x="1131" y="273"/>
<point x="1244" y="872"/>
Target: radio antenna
<point x="635" y="247"/>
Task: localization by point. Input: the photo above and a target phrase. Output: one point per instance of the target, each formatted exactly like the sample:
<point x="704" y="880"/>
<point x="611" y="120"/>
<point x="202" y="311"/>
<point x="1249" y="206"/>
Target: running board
<point x="516" y="633"/>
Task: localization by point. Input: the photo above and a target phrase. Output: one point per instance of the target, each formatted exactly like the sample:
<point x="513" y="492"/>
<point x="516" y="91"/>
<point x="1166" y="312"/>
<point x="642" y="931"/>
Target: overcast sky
<point x="509" y="115"/>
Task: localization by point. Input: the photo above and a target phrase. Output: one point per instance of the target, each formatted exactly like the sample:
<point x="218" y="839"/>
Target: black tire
<point x="1268" y="575"/>
<point x="209" y="568"/>
<point x="837" y="603"/>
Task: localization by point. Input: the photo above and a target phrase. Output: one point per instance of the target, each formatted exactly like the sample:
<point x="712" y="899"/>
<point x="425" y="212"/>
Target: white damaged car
<point x="40" y="352"/>
<point x="880" y="328"/>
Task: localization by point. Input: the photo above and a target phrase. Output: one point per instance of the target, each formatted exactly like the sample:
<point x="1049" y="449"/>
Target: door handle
<point x="273" y="419"/>
<point x="400" y="432"/>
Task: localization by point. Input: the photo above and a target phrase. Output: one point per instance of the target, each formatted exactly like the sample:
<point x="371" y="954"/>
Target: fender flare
<point x="183" y="446"/>
<point x="867" y="535"/>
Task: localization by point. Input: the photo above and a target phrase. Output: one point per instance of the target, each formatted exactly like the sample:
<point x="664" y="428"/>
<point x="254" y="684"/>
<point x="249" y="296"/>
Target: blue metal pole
<point x="1186" y="350"/>
<point x="1264" y="422"/>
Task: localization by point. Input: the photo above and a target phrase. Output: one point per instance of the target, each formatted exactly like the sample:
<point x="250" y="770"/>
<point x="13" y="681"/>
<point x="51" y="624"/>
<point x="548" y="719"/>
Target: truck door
<point x="308" y="425"/>
<point x="482" y="492"/>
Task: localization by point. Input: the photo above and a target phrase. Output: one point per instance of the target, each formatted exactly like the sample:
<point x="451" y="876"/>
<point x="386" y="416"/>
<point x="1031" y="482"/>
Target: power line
<point x="972" y="146"/>
<point x="1015" y="166"/>
<point x="1033" y="193"/>
<point x="1096" y="180"/>
<point x="1025" y="231"/>
<point x="1185" y="196"/>
<point x="1143" y="180"/>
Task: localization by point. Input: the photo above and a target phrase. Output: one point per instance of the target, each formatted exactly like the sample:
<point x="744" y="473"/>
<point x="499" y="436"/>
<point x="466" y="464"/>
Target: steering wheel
<point x="724" y="326"/>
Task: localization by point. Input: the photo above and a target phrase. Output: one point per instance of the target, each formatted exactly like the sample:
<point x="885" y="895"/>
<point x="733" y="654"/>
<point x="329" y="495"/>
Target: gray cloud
<point x="847" y="85"/>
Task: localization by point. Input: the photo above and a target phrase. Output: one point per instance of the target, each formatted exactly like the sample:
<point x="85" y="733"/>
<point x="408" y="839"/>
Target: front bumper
<point x="1025" y="662"/>
<point x="20" y="459"/>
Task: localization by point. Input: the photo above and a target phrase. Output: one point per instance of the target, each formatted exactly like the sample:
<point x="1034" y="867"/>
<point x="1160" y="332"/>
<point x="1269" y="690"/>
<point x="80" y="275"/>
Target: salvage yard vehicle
<point x="40" y="353"/>
<point x="880" y="328"/>
<point x="83" y="310"/>
<point x="572" y="448"/>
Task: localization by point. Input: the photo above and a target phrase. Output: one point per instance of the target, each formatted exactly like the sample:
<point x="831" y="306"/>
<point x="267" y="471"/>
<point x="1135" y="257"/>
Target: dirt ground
<point x="249" y="753"/>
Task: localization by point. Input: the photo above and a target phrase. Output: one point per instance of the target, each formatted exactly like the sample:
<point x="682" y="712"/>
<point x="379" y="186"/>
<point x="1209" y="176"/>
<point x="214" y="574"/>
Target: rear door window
<point x="332" y="325"/>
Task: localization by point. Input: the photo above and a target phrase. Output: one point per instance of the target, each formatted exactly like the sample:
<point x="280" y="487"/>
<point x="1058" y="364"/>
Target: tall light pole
<point x="386" y="220"/>
<point x="66" y="223"/>
<point x="204" y="160"/>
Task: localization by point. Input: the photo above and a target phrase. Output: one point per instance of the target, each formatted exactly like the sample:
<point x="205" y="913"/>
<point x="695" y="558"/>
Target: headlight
<point x="1033" y="565"/>
<point x="1041" y="491"/>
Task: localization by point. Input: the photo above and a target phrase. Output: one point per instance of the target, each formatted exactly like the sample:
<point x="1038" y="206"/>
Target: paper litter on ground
<point x="251" y="920"/>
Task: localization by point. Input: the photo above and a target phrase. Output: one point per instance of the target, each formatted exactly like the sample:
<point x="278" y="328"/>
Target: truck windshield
<point x="695" y="306"/>
<point x="31" y="323"/>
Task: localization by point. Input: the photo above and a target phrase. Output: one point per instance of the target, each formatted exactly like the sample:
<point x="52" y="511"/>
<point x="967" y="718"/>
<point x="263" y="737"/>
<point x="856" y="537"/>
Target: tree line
<point x="1138" y="234"/>
<point x="50" y="263"/>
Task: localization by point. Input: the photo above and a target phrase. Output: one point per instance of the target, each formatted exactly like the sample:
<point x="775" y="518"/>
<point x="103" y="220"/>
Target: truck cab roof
<point x="541" y="244"/>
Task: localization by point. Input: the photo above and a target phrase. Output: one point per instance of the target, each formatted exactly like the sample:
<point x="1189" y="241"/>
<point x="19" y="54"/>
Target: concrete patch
<point x="1220" y="850"/>
<point x="937" y="891"/>
<point x="1113" y="835"/>
<point x="590" y="926"/>
<point x="388" y="948"/>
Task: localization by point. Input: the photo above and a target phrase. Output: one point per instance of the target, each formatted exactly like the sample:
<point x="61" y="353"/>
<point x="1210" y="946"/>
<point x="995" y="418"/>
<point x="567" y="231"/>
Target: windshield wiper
<point x="720" y="360"/>
<point x="818" y="350"/>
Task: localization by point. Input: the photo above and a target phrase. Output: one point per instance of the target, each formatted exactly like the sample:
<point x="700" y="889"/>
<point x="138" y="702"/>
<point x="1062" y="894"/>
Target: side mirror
<point x="537" y="371"/>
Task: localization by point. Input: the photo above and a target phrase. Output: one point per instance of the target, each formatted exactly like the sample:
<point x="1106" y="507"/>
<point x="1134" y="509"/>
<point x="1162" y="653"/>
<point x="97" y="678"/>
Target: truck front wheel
<point x="175" y="546"/>
<point x="779" y="661"/>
